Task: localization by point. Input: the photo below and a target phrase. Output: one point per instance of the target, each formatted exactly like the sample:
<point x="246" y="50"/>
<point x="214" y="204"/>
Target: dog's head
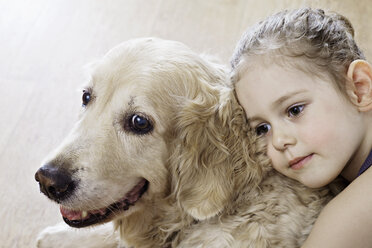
<point x="156" y="119"/>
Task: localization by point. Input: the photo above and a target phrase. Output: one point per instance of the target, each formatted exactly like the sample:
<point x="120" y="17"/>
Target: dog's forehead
<point x="150" y="72"/>
<point x="124" y="88"/>
<point x="139" y="58"/>
<point x="141" y="64"/>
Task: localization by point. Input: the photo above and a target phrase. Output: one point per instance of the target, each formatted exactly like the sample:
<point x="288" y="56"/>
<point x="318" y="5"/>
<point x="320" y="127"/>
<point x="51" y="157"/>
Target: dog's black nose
<point x="54" y="182"/>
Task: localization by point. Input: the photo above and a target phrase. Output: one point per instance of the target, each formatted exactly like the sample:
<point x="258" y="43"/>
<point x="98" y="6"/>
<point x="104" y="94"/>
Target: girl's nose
<point x="281" y="139"/>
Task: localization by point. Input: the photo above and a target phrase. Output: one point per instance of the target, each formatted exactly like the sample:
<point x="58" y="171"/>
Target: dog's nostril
<point x="58" y="192"/>
<point x="52" y="190"/>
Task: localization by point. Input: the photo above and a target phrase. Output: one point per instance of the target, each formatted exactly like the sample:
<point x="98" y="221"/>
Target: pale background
<point x="44" y="46"/>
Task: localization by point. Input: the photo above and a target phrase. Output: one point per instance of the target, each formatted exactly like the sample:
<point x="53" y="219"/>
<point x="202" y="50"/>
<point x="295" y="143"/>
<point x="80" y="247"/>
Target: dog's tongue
<point x="71" y="214"/>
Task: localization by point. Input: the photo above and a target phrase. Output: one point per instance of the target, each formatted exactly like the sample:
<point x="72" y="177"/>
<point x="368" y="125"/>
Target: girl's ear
<point x="359" y="85"/>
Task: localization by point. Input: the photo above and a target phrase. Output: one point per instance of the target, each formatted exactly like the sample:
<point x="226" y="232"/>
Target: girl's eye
<point x="295" y="110"/>
<point x="86" y="98"/>
<point x="263" y="129"/>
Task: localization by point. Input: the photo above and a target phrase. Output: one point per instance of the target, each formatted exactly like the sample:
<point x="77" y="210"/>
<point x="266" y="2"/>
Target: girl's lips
<point x="298" y="163"/>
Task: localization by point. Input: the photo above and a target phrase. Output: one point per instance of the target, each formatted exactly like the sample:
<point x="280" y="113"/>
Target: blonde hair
<point x="326" y="41"/>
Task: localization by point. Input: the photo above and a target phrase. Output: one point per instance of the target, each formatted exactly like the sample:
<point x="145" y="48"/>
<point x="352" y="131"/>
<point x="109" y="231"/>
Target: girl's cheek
<point x="315" y="129"/>
<point x="316" y="134"/>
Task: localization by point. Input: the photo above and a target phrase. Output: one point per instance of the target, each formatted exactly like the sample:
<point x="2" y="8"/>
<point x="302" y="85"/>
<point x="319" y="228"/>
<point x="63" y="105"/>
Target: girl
<point x="307" y="90"/>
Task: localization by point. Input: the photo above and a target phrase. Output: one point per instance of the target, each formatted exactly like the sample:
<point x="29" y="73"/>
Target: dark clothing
<point x="366" y="164"/>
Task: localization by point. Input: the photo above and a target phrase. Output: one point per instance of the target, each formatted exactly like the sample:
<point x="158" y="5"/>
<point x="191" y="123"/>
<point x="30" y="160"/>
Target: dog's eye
<point x="139" y="124"/>
<point x="86" y="97"/>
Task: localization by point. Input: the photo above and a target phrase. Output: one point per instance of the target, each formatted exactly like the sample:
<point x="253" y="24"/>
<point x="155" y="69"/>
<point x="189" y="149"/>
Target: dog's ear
<point x="214" y="151"/>
<point x="248" y="151"/>
<point x="202" y="177"/>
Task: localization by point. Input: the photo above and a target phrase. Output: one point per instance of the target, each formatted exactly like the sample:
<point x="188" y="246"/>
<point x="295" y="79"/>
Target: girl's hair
<point x="324" y="40"/>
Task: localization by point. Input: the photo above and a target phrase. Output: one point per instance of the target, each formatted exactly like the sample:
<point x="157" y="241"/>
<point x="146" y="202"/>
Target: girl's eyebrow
<point x="284" y="98"/>
<point x="277" y="103"/>
<point x="253" y="119"/>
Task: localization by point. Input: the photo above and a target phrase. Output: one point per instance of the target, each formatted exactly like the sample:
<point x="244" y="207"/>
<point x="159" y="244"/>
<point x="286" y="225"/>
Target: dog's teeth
<point x="84" y="214"/>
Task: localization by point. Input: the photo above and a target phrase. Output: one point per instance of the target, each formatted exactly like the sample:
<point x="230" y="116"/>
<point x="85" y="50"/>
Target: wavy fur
<point x="210" y="183"/>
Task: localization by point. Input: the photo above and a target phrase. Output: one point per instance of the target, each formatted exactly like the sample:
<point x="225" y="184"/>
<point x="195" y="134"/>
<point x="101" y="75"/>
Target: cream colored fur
<point x="210" y="184"/>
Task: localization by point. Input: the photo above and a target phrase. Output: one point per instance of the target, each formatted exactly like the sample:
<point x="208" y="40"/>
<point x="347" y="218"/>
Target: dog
<point x="163" y="150"/>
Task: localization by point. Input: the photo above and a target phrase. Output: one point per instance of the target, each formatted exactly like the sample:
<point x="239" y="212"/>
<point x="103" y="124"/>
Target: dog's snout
<point x="54" y="182"/>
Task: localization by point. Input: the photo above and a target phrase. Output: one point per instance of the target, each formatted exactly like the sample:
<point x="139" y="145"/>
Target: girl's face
<point x="312" y="131"/>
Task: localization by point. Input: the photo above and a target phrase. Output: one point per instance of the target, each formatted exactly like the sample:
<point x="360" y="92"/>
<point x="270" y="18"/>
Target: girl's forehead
<point x="265" y="84"/>
<point x="278" y="68"/>
<point x="273" y="72"/>
<point x="276" y="58"/>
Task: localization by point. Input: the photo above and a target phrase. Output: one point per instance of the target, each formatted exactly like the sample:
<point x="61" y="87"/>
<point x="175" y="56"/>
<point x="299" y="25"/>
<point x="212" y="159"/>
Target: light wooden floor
<point x="43" y="48"/>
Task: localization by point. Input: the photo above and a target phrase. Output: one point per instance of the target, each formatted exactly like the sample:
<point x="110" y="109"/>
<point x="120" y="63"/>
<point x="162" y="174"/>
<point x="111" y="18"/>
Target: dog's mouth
<point x="78" y="218"/>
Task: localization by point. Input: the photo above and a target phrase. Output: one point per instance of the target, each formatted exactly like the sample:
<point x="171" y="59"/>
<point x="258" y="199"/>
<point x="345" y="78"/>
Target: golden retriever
<point x="162" y="149"/>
